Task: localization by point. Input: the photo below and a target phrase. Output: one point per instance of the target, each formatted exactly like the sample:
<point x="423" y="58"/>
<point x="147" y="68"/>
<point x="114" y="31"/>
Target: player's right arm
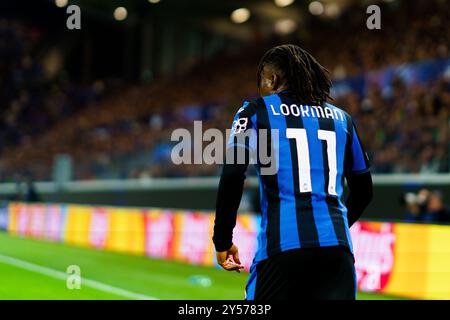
<point x="231" y="185"/>
<point x="358" y="176"/>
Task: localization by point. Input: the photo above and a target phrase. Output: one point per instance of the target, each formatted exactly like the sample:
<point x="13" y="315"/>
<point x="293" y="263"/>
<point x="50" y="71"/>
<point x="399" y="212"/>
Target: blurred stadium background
<point x="86" y="177"/>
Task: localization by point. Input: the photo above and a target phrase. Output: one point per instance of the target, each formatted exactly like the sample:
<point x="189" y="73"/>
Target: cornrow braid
<point x="305" y="77"/>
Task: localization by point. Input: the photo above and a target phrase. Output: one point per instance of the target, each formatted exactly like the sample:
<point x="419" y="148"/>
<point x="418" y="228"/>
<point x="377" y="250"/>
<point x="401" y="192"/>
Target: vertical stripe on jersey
<point x="341" y="129"/>
<point x="323" y="222"/>
<point x="360" y="161"/>
<point x="271" y="189"/>
<point x="261" y="252"/>
<point x="251" y="284"/>
<point x="288" y="219"/>
<point x="307" y="230"/>
<point x="348" y="158"/>
<point x="333" y="203"/>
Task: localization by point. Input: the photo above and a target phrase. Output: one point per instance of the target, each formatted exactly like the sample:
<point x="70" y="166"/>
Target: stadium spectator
<point x="31" y="193"/>
<point x="426" y="206"/>
<point x="416" y="205"/>
<point x="437" y="211"/>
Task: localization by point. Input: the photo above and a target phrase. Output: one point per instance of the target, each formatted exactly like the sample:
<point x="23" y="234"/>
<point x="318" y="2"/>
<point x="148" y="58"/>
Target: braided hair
<point x="305" y="77"/>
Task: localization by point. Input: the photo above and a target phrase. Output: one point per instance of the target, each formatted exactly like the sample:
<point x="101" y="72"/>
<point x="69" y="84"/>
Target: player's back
<point x="302" y="204"/>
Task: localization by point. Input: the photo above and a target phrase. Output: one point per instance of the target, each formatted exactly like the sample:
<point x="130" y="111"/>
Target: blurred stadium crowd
<point x="426" y="206"/>
<point x="123" y="131"/>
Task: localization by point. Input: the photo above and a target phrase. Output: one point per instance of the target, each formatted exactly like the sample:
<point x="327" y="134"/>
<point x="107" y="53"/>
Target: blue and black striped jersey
<point x="314" y="149"/>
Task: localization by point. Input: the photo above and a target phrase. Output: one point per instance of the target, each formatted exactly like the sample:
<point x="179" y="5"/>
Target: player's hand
<point x="229" y="260"/>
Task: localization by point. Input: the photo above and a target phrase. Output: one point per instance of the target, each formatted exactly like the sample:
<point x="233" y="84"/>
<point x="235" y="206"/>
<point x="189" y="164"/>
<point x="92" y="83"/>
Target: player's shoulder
<point x="344" y="113"/>
<point x="248" y="108"/>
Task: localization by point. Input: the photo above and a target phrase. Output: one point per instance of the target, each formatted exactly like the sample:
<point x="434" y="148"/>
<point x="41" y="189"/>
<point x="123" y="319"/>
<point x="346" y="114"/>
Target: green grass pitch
<point x="32" y="269"/>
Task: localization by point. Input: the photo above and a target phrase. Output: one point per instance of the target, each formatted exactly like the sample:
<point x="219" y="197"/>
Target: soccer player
<point x="304" y="246"/>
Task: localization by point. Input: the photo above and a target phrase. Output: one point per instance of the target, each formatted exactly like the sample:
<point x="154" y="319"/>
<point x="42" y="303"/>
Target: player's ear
<point x="275" y="81"/>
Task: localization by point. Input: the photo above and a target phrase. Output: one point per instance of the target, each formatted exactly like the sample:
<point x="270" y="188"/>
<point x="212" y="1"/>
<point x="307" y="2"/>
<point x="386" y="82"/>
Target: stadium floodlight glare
<point x="285" y="26"/>
<point x="61" y="3"/>
<point x="316" y="8"/>
<point x="332" y="10"/>
<point x="240" y="15"/>
<point x="154" y="1"/>
<point x="120" y="13"/>
<point x="284" y="3"/>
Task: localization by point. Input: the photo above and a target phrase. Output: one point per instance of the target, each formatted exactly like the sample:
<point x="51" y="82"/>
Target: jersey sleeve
<point x="357" y="160"/>
<point x="243" y="129"/>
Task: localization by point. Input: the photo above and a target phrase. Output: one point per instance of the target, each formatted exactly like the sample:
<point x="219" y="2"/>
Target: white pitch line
<point x="63" y="276"/>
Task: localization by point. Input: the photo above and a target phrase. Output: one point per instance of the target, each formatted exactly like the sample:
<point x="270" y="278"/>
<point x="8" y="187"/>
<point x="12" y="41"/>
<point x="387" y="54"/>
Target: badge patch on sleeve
<point x="239" y="125"/>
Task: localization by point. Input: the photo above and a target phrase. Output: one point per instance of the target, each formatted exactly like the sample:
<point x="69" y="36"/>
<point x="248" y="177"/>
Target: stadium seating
<point x="126" y="135"/>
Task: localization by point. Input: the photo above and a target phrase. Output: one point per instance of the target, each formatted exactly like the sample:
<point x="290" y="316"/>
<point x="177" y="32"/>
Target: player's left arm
<point x="231" y="187"/>
<point x="361" y="193"/>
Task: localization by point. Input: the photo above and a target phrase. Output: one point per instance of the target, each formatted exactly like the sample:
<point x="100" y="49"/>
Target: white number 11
<point x="304" y="168"/>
